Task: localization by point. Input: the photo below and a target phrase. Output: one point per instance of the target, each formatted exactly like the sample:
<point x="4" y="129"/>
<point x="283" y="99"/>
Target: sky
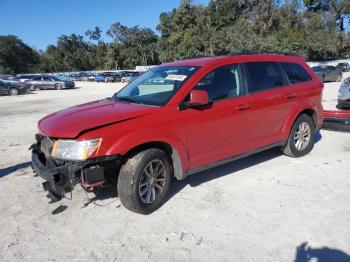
<point x="39" y="22"/>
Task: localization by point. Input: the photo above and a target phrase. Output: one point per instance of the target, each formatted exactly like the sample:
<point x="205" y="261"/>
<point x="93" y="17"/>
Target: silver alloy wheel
<point x="152" y="181"/>
<point x="302" y="136"/>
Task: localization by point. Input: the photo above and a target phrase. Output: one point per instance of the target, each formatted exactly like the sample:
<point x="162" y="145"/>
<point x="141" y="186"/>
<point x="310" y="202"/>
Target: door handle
<point x="243" y="107"/>
<point x="289" y="95"/>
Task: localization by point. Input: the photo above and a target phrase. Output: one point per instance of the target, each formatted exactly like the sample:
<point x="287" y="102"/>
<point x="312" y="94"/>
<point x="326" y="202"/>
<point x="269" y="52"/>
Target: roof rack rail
<point x="265" y="53"/>
<point x="247" y="53"/>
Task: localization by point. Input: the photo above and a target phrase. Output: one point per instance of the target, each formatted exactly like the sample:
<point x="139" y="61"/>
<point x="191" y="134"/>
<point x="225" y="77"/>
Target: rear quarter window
<point x="295" y="72"/>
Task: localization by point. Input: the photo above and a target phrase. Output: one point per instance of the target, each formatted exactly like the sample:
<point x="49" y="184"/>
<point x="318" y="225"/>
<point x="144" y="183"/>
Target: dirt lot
<point x="267" y="207"/>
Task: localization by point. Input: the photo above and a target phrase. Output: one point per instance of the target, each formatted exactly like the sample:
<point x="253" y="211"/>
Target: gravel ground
<point x="266" y="207"/>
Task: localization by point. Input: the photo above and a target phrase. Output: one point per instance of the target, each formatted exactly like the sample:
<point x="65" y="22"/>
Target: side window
<point x="222" y="83"/>
<point x="37" y="78"/>
<point x="263" y="75"/>
<point x="46" y="78"/>
<point x="296" y="73"/>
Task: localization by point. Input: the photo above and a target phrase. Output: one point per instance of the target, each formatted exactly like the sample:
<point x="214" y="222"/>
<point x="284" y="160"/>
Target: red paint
<point x="337" y="114"/>
<point x="200" y="137"/>
<point x="198" y="97"/>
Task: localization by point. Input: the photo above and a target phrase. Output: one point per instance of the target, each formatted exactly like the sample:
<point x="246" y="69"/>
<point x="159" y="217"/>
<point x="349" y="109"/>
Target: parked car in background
<point x="77" y="76"/>
<point x="209" y="111"/>
<point x="108" y="77"/>
<point x="100" y="78"/>
<point x="10" y="78"/>
<point x="344" y="66"/>
<point x="344" y="94"/>
<point x="12" y="88"/>
<point x="129" y="77"/>
<point x="24" y="78"/>
<point x="112" y="77"/>
<point x="49" y="82"/>
<point x="328" y="73"/>
<point x="91" y="77"/>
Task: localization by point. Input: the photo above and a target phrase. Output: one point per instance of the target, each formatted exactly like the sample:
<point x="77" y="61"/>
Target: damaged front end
<point x="62" y="175"/>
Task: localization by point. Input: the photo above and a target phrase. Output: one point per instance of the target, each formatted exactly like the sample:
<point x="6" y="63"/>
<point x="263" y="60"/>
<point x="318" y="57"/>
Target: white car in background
<point x="344" y="94"/>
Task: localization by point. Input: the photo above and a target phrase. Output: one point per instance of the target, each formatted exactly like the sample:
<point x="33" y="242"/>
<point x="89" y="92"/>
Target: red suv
<point x="178" y="119"/>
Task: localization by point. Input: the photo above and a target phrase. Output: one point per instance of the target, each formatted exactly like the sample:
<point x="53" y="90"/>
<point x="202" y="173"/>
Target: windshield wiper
<point x="127" y="99"/>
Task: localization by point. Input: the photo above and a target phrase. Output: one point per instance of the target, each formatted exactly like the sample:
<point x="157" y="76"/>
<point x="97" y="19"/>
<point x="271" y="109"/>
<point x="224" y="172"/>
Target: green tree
<point x="15" y="56"/>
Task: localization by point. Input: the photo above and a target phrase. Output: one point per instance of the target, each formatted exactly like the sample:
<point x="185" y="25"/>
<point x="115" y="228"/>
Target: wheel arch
<point x="308" y="110"/>
<point x="171" y="151"/>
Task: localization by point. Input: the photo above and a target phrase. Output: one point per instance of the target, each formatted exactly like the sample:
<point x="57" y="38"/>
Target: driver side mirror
<point x="198" y="99"/>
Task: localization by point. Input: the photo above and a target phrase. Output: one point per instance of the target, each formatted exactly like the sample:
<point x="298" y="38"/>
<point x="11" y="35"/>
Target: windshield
<point x="156" y="86"/>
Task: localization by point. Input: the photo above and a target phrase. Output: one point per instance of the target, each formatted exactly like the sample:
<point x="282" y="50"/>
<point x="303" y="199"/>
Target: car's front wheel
<point x="339" y="78"/>
<point x="301" y="138"/>
<point x="144" y="181"/>
<point x="13" y="92"/>
<point x="31" y="88"/>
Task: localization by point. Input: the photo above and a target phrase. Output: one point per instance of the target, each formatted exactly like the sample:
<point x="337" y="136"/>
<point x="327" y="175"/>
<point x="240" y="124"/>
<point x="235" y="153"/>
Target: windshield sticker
<point x="176" y="77"/>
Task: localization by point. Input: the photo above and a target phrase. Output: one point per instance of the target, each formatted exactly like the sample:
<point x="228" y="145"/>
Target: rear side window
<point x="263" y="75"/>
<point x="295" y="72"/>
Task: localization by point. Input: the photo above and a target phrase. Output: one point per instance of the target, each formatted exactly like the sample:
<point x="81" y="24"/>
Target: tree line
<point x="315" y="29"/>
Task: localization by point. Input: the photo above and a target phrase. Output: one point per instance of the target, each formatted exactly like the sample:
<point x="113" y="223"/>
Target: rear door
<point x="271" y="101"/>
<point x="48" y="82"/>
<point x="223" y="129"/>
<point x="37" y="81"/>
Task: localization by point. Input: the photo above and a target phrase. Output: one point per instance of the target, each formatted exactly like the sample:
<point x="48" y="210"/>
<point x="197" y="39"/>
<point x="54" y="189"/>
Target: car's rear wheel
<point x="13" y="92"/>
<point x="301" y="138"/>
<point x="144" y="181"/>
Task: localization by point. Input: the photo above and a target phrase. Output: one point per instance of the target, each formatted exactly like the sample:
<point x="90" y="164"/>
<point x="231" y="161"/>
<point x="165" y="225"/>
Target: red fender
<point x="296" y="112"/>
<point x="139" y="137"/>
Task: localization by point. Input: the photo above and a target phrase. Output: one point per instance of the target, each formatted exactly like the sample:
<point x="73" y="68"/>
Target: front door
<point x="221" y="130"/>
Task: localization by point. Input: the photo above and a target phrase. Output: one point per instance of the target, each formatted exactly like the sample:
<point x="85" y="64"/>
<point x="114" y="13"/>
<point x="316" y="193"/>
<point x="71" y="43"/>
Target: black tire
<point x="339" y="78"/>
<point x="13" y="92"/>
<point x="32" y="88"/>
<point x="290" y="149"/>
<point x="131" y="177"/>
<point x="58" y="86"/>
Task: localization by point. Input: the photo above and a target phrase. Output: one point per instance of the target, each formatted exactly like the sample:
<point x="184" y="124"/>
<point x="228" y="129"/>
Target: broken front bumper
<point x="61" y="176"/>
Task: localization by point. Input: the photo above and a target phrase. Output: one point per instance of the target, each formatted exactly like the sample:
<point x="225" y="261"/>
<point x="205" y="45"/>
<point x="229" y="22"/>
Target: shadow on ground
<point x="223" y="170"/>
<point x="101" y="194"/>
<point x="197" y="179"/>
<point x="305" y="253"/>
<point x="8" y="170"/>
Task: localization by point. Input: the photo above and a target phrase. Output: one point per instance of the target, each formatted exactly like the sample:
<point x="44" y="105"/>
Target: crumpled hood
<point x="70" y="122"/>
